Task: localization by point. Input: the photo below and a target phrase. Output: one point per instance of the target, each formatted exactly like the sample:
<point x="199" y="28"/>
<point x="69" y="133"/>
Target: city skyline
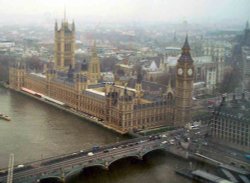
<point x="102" y="11"/>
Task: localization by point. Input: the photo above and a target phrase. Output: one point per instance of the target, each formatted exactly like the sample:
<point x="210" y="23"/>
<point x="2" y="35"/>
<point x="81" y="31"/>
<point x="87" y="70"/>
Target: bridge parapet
<point x="76" y="162"/>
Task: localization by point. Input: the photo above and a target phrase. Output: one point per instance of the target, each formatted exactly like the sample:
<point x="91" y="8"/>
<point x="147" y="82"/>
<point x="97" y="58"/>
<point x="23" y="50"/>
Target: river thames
<point x="38" y="130"/>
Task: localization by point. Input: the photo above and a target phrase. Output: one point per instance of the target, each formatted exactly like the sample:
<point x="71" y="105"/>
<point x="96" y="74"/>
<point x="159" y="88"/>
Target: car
<point x="106" y="151"/>
<point x="95" y="148"/>
<point x="164" y="142"/>
<point x="210" y="106"/>
<point x="247" y="156"/>
<point x="233" y="153"/>
<point x="171" y="141"/>
<point x="177" y="137"/>
<point x="20" y="166"/>
<point x="114" y="148"/>
<point x="90" y="154"/>
<point x="204" y="143"/>
<point x="163" y="136"/>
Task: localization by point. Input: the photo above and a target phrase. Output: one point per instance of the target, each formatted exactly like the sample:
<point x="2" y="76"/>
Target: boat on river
<point x="5" y="117"/>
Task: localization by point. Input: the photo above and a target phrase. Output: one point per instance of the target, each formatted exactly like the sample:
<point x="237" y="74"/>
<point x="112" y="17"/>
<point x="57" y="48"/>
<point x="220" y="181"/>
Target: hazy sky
<point x="28" y="11"/>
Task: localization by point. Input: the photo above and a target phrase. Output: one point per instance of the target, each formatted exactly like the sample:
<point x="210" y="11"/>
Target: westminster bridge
<point x="60" y="167"/>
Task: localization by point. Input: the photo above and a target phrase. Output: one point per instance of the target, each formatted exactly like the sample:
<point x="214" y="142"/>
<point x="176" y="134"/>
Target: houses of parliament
<point x="119" y="107"/>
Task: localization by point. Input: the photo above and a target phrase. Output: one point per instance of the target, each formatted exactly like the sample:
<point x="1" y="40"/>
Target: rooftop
<point x="123" y="87"/>
<point x="210" y="177"/>
<point x="95" y="92"/>
<point x="38" y="75"/>
<point x="235" y="108"/>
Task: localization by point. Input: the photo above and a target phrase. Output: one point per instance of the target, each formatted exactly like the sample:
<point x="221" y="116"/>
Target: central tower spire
<point x="94" y="73"/>
<point x="64" y="14"/>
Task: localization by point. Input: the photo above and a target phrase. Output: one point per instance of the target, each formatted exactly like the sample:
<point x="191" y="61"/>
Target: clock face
<point x="190" y="72"/>
<point x="180" y="71"/>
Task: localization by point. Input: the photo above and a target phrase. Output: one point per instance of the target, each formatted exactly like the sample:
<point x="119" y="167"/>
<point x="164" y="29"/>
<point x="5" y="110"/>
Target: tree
<point x="34" y="63"/>
<point x="231" y="79"/>
<point x="164" y="78"/>
<point x="108" y="64"/>
<point x="5" y="61"/>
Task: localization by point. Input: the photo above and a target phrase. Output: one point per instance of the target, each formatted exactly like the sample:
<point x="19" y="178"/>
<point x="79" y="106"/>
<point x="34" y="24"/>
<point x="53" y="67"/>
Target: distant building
<point x="206" y="71"/>
<point x="6" y="44"/>
<point x="155" y="67"/>
<point x="152" y="71"/>
<point x="173" y="51"/>
<point x="230" y="124"/>
<point x="107" y="76"/>
<point x="217" y="52"/>
<point x="246" y="36"/>
<point x="245" y="55"/>
<point x="246" y="67"/>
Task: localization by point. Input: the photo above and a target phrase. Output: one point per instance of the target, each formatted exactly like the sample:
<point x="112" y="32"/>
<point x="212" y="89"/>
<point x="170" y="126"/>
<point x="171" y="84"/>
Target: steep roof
<point x="185" y="55"/>
<point x="153" y="66"/>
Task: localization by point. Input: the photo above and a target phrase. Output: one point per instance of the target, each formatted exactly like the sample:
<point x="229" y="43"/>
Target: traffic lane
<point x="124" y="154"/>
<point x="145" y="140"/>
<point x="123" y="151"/>
<point x="227" y="151"/>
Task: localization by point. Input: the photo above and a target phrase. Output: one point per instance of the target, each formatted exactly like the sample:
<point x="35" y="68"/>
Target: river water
<point x="38" y="130"/>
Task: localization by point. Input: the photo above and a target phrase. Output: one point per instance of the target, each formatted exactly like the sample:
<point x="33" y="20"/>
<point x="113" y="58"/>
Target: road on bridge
<point x="104" y="156"/>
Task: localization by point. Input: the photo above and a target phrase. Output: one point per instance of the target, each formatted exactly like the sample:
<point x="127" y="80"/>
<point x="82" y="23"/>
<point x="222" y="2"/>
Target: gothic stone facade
<point x="118" y="107"/>
<point x="230" y="124"/>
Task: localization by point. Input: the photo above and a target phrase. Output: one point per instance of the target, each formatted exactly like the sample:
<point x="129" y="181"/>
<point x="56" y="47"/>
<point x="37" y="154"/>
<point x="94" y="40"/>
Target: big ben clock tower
<point x="184" y="87"/>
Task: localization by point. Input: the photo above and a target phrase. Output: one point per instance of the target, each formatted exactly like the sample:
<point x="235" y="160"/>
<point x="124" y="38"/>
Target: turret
<point x="50" y="74"/>
<point x="126" y="106"/>
<point x="247" y="25"/>
<point x="80" y="82"/>
<point x="17" y="74"/>
<point x="246" y="38"/>
<point x="73" y="26"/>
<point x="94" y="73"/>
<point x="138" y="85"/>
<point x="56" y="26"/>
<point x="169" y="92"/>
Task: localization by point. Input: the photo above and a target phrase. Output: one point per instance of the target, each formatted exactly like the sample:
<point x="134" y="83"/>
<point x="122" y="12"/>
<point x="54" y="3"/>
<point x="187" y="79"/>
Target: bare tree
<point x="231" y="79"/>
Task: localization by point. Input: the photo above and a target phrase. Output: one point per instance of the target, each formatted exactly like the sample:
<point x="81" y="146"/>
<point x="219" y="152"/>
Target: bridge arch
<point x="102" y="166"/>
<point x="144" y="153"/>
<point x="137" y="157"/>
<point x="81" y="168"/>
<point x="51" y="179"/>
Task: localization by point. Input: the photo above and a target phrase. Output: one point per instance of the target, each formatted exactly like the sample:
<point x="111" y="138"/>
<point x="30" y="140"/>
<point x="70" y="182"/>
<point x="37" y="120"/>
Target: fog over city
<point x="102" y="11"/>
<point x="118" y="91"/>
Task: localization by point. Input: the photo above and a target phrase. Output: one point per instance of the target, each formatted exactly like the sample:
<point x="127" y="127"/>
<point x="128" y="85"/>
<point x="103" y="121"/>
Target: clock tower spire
<point x="184" y="86"/>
